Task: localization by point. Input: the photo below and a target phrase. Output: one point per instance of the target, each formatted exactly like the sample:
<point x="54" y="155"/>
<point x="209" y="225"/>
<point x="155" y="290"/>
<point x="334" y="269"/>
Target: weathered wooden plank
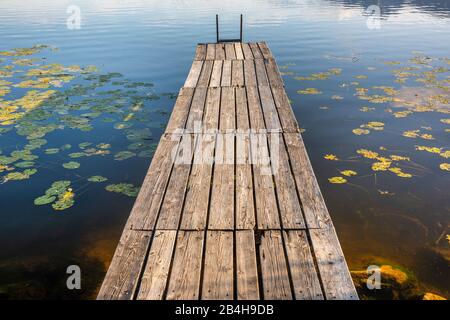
<point x="261" y="73"/>
<point x="245" y="209"/>
<point x="242" y="119"/>
<point x="265" y="50"/>
<point x="239" y="52"/>
<point x="216" y="75"/>
<point x="287" y="118"/>
<point x="205" y="75"/>
<point x="314" y="208"/>
<point x="210" y="51"/>
<point x="288" y="202"/>
<point x="194" y="74"/>
<point x="200" y="52"/>
<point x="227" y="109"/>
<point x="230" y="54"/>
<point x="270" y="111"/>
<point x="237" y="76"/>
<point x="250" y="73"/>
<point x="274" y="271"/>
<point x="255" y="51"/>
<point x="336" y="278"/>
<point x="218" y="270"/>
<point x="248" y="55"/>
<point x="145" y="210"/>
<point x="194" y="121"/>
<point x="220" y="51"/>
<point x="197" y="196"/>
<point x="156" y="272"/>
<point x="212" y="109"/>
<point x="246" y="267"/>
<point x="254" y="109"/>
<point x="221" y="215"/>
<point x="301" y="264"/>
<point x="184" y="280"/>
<point x="273" y="73"/>
<point x="169" y="216"/>
<point x="180" y="111"/>
<point x="267" y="215"/>
<point x="226" y="73"/>
<point x="121" y="279"/>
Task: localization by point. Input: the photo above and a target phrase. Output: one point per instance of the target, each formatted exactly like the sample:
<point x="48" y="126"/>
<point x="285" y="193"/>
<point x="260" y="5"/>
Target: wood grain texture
<point x="212" y="110"/>
<point x="194" y="74"/>
<point x="156" y="272"/>
<point x="336" y="278"/>
<point x="226" y="73"/>
<point x="269" y="110"/>
<point x="246" y="265"/>
<point x="205" y="74"/>
<point x="210" y="51"/>
<point x="250" y="73"/>
<point x="274" y="268"/>
<point x="273" y="73"/>
<point x="200" y="52"/>
<point x="146" y="207"/>
<point x="286" y="115"/>
<point x="197" y="196"/>
<point x="237" y="73"/>
<point x="255" y="109"/>
<point x="255" y="51"/>
<point x="220" y="51"/>
<point x="216" y="76"/>
<point x="267" y="54"/>
<point x="303" y="272"/>
<point x="122" y="278"/>
<point x="170" y="214"/>
<point x="218" y="270"/>
<point x="184" y="281"/>
<point x="248" y="55"/>
<point x="239" y="52"/>
<point x="194" y="121"/>
<point x="314" y="208"/>
<point x="261" y="74"/>
<point x="230" y="53"/>
<point x="288" y="201"/>
<point x="267" y="215"/>
<point x="180" y="112"/>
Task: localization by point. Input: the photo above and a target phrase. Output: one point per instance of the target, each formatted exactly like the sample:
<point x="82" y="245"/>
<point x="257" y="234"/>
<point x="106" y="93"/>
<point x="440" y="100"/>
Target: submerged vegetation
<point x="39" y="98"/>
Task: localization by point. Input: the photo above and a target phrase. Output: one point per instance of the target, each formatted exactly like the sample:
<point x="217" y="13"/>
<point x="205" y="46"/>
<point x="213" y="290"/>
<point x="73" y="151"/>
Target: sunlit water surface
<point x="379" y="216"/>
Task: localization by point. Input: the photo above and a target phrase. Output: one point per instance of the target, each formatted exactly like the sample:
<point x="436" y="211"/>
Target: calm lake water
<point x="142" y="50"/>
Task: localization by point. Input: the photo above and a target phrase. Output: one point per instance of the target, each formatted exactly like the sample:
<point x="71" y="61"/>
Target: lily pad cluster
<point x="40" y="101"/>
<point x="60" y="195"/>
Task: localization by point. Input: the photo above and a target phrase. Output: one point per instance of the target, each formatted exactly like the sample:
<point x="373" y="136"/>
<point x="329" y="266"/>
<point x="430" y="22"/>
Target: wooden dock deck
<point x="230" y="207"/>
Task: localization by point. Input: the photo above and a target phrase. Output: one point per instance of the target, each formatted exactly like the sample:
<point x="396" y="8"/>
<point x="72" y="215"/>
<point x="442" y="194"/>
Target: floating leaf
<point x="331" y="157"/>
<point x="337" y="180"/>
<point x="309" y="91"/>
<point x="359" y="131"/>
<point x="71" y="165"/>
<point x="45" y="199"/>
<point x="349" y="173"/>
<point x="97" y="179"/>
<point x="123" y="188"/>
<point x="123" y="155"/>
<point x="445" y="166"/>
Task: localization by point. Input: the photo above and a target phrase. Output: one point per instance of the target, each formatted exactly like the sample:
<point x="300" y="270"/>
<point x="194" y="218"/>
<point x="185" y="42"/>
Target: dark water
<point x="379" y="216"/>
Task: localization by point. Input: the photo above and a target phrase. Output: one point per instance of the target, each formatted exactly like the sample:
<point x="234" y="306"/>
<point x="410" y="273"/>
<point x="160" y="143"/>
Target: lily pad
<point x="71" y="165"/>
<point x="97" y="179"/>
<point x="123" y="188"/>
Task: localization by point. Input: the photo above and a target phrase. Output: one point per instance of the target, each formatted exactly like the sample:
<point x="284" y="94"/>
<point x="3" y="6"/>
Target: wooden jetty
<point x="213" y="219"/>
